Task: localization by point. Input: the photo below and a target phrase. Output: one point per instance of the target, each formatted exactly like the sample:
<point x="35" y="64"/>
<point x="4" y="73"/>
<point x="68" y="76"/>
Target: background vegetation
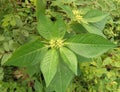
<point x="18" y="26"/>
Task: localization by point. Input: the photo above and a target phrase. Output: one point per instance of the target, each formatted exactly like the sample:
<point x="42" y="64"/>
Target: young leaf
<point x="69" y="58"/>
<point x="49" y="65"/>
<point x="26" y="55"/>
<point x="89" y="45"/>
<point x="95" y="16"/>
<point x="62" y="78"/>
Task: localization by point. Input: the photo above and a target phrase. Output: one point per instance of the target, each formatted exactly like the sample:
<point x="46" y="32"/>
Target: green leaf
<point x="62" y="78"/>
<point x="1" y="74"/>
<point x="26" y="55"/>
<point x="96" y="28"/>
<point x="78" y="28"/>
<point x="2" y="38"/>
<point x="69" y="58"/>
<point x="6" y="46"/>
<point x="49" y="65"/>
<point x="13" y="22"/>
<point x="31" y="70"/>
<point x="95" y="16"/>
<point x="38" y="86"/>
<point x="50" y="30"/>
<point x="89" y="45"/>
<point x="92" y="29"/>
<point x="5" y="58"/>
<point x="83" y="59"/>
<point x="60" y="27"/>
<point x="40" y="8"/>
<point x="101" y="24"/>
<point x="45" y="27"/>
<point x="67" y="10"/>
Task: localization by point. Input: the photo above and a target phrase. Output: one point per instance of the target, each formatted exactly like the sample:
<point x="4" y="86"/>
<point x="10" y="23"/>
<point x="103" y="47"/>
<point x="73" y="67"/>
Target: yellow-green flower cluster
<point x="78" y="17"/>
<point x="56" y="43"/>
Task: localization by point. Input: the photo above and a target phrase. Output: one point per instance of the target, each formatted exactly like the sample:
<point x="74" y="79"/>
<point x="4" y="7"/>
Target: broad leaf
<point x="26" y="55"/>
<point x="31" y="70"/>
<point x="45" y="27"/>
<point x="69" y="58"/>
<point x="51" y="30"/>
<point x="78" y="28"/>
<point x="62" y="78"/>
<point x="89" y="45"/>
<point x="60" y="27"/>
<point x="95" y="16"/>
<point x="49" y="65"/>
<point x="93" y="29"/>
<point x="101" y="24"/>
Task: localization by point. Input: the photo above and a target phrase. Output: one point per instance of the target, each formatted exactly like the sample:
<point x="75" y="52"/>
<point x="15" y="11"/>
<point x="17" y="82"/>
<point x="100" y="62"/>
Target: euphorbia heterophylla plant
<point x="56" y="54"/>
